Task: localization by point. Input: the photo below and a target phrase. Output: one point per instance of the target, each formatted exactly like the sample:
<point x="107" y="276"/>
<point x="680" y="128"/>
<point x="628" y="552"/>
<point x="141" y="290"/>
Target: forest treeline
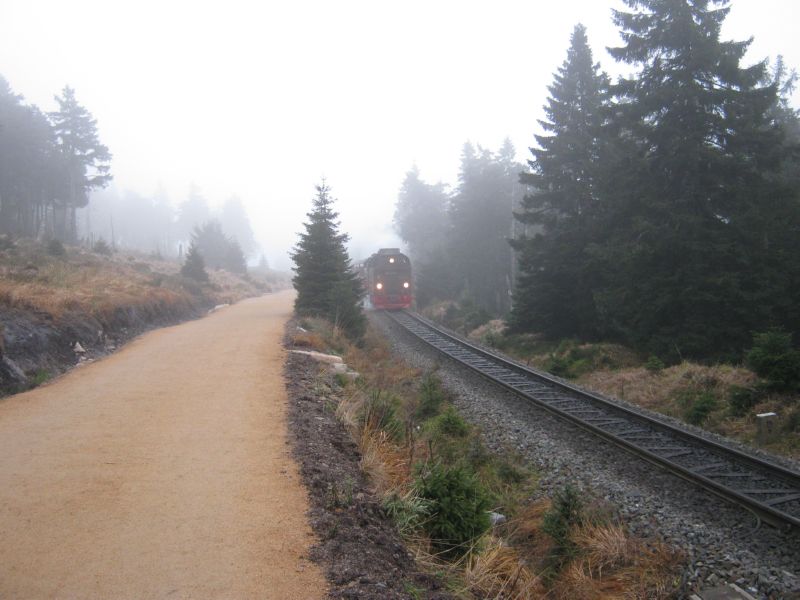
<point x="661" y="210"/>
<point x="49" y="163"/>
<point x="53" y="171"/>
<point x="458" y="241"/>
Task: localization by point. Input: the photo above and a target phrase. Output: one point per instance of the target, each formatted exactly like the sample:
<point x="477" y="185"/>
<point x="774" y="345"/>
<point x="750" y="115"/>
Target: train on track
<point x="387" y="279"/>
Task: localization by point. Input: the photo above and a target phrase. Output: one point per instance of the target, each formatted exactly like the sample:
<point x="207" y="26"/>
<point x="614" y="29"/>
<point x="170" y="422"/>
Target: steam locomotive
<point x="387" y="279"/>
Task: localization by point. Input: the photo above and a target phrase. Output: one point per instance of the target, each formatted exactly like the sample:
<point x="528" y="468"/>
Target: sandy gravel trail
<point x="159" y="472"/>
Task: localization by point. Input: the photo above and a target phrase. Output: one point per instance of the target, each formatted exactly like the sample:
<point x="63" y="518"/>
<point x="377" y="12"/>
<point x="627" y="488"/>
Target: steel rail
<point x="770" y="491"/>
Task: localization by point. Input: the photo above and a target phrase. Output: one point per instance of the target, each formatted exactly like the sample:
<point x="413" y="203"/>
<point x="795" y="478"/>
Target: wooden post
<point x="766" y="426"/>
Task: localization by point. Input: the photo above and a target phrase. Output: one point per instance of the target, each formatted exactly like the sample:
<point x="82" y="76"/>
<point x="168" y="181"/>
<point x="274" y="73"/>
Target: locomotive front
<point x="389" y="279"/>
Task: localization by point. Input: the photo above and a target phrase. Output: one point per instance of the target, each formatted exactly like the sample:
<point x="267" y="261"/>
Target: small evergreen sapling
<point x="195" y="266"/>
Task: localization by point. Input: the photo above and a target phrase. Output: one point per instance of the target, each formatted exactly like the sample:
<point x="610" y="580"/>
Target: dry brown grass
<point x="662" y="392"/>
<point x="525" y="531"/>
<point x="385" y="462"/>
<point x="657" y="391"/>
<point x="609" y="562"/>
<point x="493" y="327"/>
<point x="499" y="571"/>
<point x="97" y="294"/>
<point x="614" y="565"/>
<point x="380" y="367"/>
<point x="98" y="286"/>
<point x="309" y="339"/>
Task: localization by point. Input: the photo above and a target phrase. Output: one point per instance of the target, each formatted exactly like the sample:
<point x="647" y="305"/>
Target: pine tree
<point x="690" y="270"/>
<point x="86" y="162"/>
<point x="30" y="165"/>
<point x="421" y="220"/>
<point x="325" y="282"/>
<point x="420" y="216"/>
<point x="236" y="224"/>
<point x="235" y="261"/>
<point x="553" y="292"/>
<point x="194" y="267"/>
<point x="481" y="218"/>
<point x="218" y="250"/>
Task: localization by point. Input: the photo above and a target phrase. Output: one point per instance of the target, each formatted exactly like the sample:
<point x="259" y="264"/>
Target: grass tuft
<point x="500" y="571"/>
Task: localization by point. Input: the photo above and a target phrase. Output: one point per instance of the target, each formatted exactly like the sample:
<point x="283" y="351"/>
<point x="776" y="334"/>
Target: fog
<point x="262" y="101"/>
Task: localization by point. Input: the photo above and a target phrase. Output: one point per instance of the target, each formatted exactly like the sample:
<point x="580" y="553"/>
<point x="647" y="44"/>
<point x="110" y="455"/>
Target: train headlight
<point x="405" y="284"/>
<point x="391" y="260"/>
<point x="379" y="286"/>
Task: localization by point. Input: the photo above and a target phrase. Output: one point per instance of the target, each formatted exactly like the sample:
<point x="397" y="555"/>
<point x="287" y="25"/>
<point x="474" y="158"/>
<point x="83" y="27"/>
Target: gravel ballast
<point x="723" y="542"/>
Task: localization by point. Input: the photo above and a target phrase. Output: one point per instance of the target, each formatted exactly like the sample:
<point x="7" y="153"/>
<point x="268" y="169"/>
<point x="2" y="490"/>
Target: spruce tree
<point x="553" y="292"/>
<point x="194" y="267"/>
<point x="85" y="161"/>
<point x="697" y="245"/>
<point x="481" y="219"/>
<point x="420" y="216"/>
<point x="325" y="282"/>
<point x="422" y="221"/>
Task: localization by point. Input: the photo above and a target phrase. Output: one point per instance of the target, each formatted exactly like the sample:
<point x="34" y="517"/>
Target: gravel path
<point x="723" y="542"/>
<point x="161" y="471"/>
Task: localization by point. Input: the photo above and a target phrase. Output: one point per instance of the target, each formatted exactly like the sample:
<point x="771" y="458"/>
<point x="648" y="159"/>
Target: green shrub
<point x="56" y="248"/>
<point x="194" y="267"/>
<point x="741" y="400"/>
<point x="102" y="247"/>
<point x="450" y="424"/>
<point x="558" y="366"/>
<point x="565" y="513"/>
<point x="458" y="507"/>
<point x="474" y="317"/>
<point x="654" y="364"/>
<point x="431" y="397"/>
<point x="509" y="473"/>
<point x="412" y="590"/>
<point x="773" y="358"/>
<point x="700" y="407"/>
<point x="39" y="377"/>
<point x="477" y="454"/>
<point x="465" y="317"/>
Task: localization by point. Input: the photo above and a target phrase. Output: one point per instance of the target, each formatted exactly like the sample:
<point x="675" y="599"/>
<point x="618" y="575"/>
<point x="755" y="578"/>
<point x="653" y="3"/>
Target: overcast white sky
<point x="261" y="99"/>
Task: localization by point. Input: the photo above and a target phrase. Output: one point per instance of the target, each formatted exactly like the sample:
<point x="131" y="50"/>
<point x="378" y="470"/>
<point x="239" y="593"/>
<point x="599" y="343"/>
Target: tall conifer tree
<point x="422" y="221"/>
<point x="86" y="162"/>
<point x="325" y="282"/>
<point x="481" y="216"/>
<point x="553" y="292"/>
<point x="687" y="252"/>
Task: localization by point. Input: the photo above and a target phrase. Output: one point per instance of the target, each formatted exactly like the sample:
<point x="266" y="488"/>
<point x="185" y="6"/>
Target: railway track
<point x="770" y="491"/>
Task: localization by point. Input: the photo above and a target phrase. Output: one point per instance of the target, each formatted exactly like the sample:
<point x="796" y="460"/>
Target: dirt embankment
<point x="51" y="302"/>
<point x="36" y="346"/>
<point x="358" y="545"/>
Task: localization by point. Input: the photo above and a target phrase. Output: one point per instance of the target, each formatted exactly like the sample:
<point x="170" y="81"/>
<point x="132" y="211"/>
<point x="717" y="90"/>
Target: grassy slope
<point x="97" y="285"/>
<point x="699" y="394"/>
<point x="677" y="391"/>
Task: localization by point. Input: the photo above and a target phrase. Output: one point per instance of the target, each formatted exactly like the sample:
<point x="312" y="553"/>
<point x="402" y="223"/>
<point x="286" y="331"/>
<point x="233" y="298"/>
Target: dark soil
<point x="359" y="548"/>
<point x="34" y="347"/>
